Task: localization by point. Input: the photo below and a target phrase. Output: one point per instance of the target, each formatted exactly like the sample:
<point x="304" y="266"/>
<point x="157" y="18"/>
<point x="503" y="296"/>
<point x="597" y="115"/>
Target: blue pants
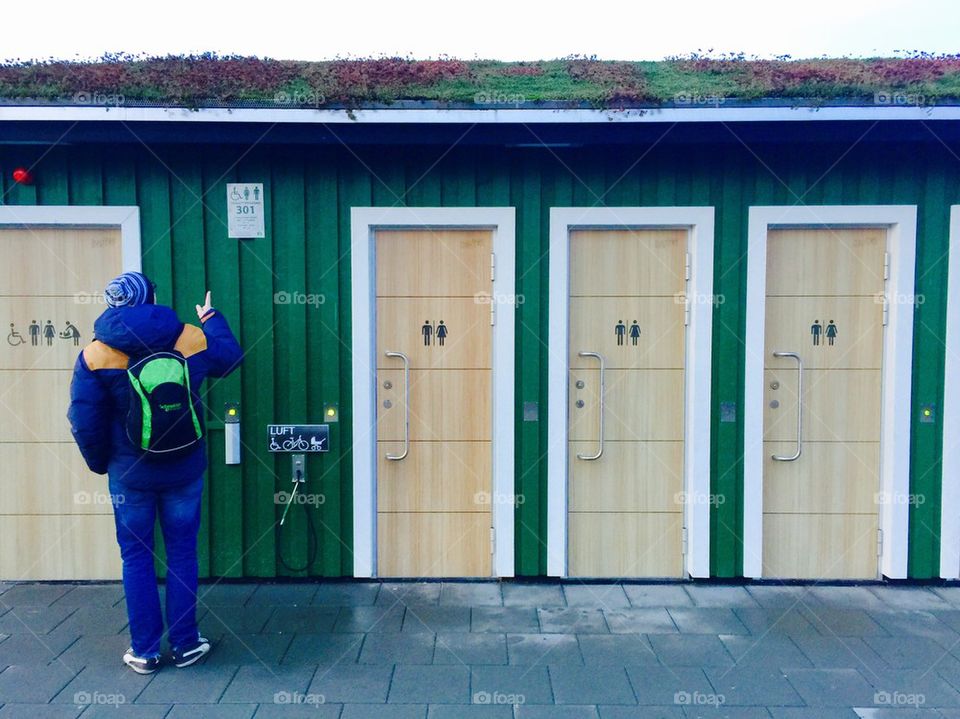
<point x="136" y="512"/>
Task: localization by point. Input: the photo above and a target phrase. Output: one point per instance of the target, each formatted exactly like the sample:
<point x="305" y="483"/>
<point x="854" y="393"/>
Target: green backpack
<point x="161" y="419"/>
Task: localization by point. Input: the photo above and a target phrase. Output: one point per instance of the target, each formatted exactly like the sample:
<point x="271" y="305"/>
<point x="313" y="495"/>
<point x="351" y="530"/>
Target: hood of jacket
<point x="138" y="330"/>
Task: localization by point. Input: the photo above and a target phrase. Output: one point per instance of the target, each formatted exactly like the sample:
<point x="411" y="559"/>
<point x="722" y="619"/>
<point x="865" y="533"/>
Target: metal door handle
<point x="796" y="455"/>
<point x="599" y="451"/>
<point x="406" y="406"/>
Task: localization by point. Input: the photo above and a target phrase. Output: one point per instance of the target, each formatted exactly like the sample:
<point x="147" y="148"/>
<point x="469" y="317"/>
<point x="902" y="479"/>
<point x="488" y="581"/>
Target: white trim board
<point x="649" y="115"/>
<point x="364" y="221"/>
<point x="950" y="466"/>
<point x="699" y="221"/>
<point x="124" y="217"/>
<point x="901" y="224"/>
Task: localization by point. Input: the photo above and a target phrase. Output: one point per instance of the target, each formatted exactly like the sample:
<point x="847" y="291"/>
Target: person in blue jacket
<point x="143" y="488"/>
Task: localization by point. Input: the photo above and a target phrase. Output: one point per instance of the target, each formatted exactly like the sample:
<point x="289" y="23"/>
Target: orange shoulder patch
<point x="97" y="355"/>
<point x="191" y="341"/>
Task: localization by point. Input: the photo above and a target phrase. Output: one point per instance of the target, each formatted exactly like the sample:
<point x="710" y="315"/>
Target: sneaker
<point x="189" y="655"/>
<point x="141" y="665"/>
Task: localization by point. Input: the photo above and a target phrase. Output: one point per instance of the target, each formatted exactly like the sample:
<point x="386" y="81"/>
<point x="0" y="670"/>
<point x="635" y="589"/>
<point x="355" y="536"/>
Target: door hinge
<point x="886" y="311"/>
<point x="879" y="542"/>
<point x="683" y="541"/>
<point x="493" y="266"/>
<point x="493" y="312"/>
<point x="493" y="540"/>
<point x="886" y="265"/>
<point x="686" y="268"/>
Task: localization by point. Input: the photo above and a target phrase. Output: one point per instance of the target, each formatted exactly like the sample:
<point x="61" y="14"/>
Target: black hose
<point x="312" y="544"/>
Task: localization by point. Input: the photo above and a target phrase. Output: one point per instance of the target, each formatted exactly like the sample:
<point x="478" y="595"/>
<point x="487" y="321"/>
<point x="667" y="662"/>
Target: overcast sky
<point x="497" y="29"/>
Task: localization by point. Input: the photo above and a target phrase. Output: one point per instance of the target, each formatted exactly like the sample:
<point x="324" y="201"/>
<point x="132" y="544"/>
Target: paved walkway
<point x="477" y="650"/>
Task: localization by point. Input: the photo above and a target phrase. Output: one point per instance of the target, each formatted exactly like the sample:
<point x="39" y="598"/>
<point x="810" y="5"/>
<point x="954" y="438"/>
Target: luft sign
<point x="299" y="437"/>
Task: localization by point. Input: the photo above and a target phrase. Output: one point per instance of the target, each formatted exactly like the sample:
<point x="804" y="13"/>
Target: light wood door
<point x="627" y="305"/>
<point x="434" y="505"/>
<point x="824" y="303"/>
<point x="56" y="520"/>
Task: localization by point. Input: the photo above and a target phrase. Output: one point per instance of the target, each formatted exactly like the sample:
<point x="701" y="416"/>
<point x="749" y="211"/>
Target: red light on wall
<point x="23" y="176"/>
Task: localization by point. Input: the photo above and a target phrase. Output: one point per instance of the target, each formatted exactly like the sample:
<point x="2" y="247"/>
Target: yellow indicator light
<point x="926" y="413"/>
<point x="232" y="411"/>
<point x="331" y="412"/>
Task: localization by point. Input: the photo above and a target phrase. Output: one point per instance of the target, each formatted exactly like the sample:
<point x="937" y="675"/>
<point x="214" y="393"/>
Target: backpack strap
<point x="191" y="341"/>
<point x="98" y="355"/>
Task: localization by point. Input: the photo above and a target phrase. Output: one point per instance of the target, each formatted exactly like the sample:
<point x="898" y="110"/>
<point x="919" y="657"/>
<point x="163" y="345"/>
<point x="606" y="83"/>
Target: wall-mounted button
<point x="387" y="403"/>
<point x="388" y="385"/>
<point x="579" y="404"/>
<point x="774" y="404"/>
<point x="774" y="385"/>
<point x="580" y="384"/>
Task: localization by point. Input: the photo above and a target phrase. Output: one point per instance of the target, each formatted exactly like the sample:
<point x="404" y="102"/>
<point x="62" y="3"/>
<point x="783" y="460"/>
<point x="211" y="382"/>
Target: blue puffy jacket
<point x="99" y="392"/>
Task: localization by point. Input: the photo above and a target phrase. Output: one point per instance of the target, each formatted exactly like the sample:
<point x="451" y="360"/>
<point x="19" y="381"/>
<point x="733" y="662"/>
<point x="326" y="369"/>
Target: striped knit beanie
<point x="129" y="289"/>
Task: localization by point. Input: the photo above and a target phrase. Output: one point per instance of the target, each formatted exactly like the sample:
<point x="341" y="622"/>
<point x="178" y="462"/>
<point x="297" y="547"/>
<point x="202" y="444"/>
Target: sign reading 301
<point x="299" y="437"/>
<point x="245" y="210"/>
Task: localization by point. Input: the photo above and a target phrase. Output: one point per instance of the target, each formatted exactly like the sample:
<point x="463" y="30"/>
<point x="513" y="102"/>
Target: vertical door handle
<point x="599" y="451"/>
<point x="795" y="455"/>
<point x="406" y="406"/>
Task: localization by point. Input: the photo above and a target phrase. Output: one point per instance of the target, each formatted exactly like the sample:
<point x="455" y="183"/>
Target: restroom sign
<point x="245" y="210"/>
<point x="299" y="437"/>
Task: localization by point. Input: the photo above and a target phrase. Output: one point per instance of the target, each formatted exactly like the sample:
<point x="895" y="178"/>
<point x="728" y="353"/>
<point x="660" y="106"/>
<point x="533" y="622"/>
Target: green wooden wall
<point x="298" y="355"/>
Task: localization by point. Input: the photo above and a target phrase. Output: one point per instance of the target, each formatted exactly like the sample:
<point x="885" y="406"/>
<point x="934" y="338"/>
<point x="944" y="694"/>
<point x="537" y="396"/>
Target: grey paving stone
<point x="375" y="619"/>
<point x="509" y="685"/>
<point x="217" y="620"/>
<point x="572" y="620"/>
<point x="902" y="685"/>
<point x="830" y="622"/>
<point x="516" y="620"/>
<point x="430" y="684"/>
<point x="753" y="686"/>
<point x="271" y="685"/>
<point x="302" y="711"/>
<point x="409" y="593"/>
<point x="591" y="685"/>
<point x="302" y="620"/>
<point x="398" y="648"/>
<point x="22" y="684"/>
<point x="252" y="648"/>
<point x="462" y="648"/>
<point x="32" y="594"/>
<point x="134" y="711"/>
<point x="657" y="595"/>
<point x="624" y="712"/>
<point x="690" y="650"/>
<point x="780" y="596"/>
<point x="324" y="649"/>
<point x="35" y="648"/>
<point x="719" y="595"/>
<point x="765" y="651"/>
<point x="225" y="593"/>
<point x="599" y="596"/>
<point x="352" y="683"/>
<point x="839" y="653"/>
<point x="216" y="711"/>
<point x="847" y="596"/>
<point x="95" y="620"/>
<point x="347" y="594"/>
<point x="707" y="621"/>
<point x="92" y="595"/>
<point x="911" y="624"/>
<point x="474" y="594"/>
<point x="915" y="653"/>
<point x="950" y="618"/>
<point x="33" y="619"/>
<point x="640" y="621"/>
<point x="775" y="621"/>
<point x="201" y="684"/>
<point x="385" y="711"/>
<point x="525" y="649"/>
<point x="114" y="686"/>
<point x="612" y="649"/>
<point x="454" y="711"/>
<point x="818" y="713"/>
<point x="531" y="594"/>
<point x="436" y="619"/>
<point x="831" y="687"/>
<point x="568" y="712"/>
<point x="47" y="711"/>
<point x="282" y="594"/>
<point x="900" y="597"/>
<point x="950" y="593"/>
<point x="95" y="650"/>
<point x="665" y="686"/>
<point x="725" y="712"/>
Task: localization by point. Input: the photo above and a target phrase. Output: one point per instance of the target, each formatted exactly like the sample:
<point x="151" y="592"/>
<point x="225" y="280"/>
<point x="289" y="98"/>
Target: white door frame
<point x="126" y="218"/>
<point x="900" y="221"/>
<point x="699" y="222"/>
<point x="364" y="222"/>
<point x="950" y="465"/>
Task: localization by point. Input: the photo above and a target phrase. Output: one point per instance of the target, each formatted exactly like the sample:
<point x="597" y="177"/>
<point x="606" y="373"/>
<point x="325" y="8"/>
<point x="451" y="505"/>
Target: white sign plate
<point x="245" y="210"/>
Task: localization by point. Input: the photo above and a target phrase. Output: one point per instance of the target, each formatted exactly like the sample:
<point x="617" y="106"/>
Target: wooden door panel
<point x="62" y="318"/>
<point x="434" y="544"/>
<point x="52" y="478"/>
<point x="433" y="263"/>
<point x="638" y="405"/>
<point x="837" y="262"/>
<point x="444" y="405"/>
<point x="627" y="262"/>
<point x="434" y="477"/>
<point x="593" y="322"/>
<point x="34" y="406"/>
<point x="628" y="477"/>
<point x="52" y="547"/>
<point x="852" y="469"/>
<point x="626" y="544"/>
<point x="400" y="322"/>
<point x="59" y="262"/>
<point x="820" y="546"/>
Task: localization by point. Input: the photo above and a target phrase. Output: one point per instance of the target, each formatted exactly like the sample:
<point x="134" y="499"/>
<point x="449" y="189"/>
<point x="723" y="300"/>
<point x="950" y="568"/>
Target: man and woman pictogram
<point x="829" y="331"/>
<point x="43" y="334"/>
<point x="622" y="331"/>
<point x="433" y="334"/>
